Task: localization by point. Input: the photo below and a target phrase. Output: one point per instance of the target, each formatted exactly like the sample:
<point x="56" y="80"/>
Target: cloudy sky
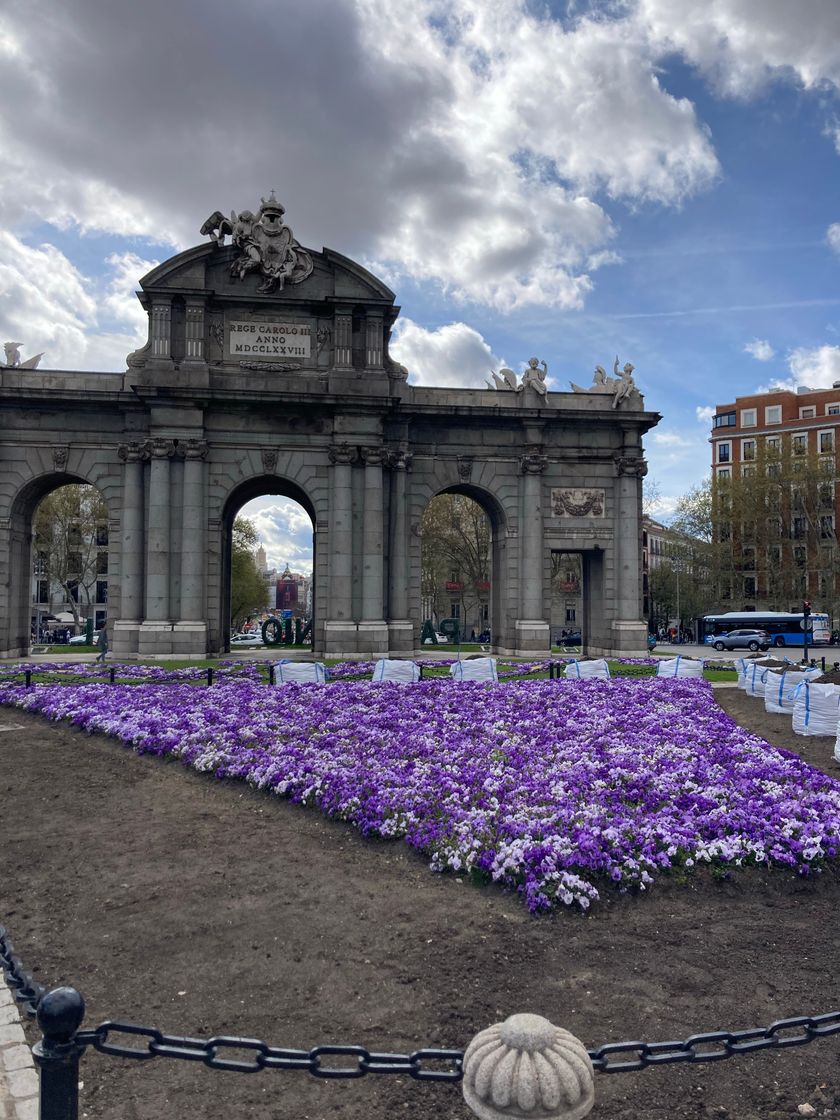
<point x="653" y="179"/>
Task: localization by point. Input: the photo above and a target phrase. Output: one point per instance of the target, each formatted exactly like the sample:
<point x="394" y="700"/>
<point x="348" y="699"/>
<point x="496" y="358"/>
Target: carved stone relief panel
<point x="577" y="502"/>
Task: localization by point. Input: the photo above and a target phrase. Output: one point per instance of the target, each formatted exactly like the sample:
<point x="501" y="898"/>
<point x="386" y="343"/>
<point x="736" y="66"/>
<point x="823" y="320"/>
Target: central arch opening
<point x="268" y="564"/>
<point x="460" y="543"/>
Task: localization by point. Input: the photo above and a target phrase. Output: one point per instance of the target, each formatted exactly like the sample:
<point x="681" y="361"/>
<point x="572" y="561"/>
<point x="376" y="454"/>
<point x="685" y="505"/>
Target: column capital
<point x="161" y="448"/>
<point x="133" y="452"/>
<point x="194" y="449"/>
<point x="373" y="456"/>
<point x="399" y="460"/>
<point x="533" y="463"/>
<point x="342" y="454"/>
<point x="630" y="465"/>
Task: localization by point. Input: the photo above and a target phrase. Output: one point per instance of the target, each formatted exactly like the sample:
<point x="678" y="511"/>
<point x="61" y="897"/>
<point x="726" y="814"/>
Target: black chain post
<point x="209" y="676"/>
<point x="271" y="679"/>
<point x="60" y="1014"/>
<point x="28" y="676"/>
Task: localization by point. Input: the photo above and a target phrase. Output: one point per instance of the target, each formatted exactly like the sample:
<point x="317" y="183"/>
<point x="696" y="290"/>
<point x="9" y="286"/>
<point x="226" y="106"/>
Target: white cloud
<point x="79" y="322"/>
<point x="472" y="157"/>
<point x="742" y="44"/>
<point x="705" y="413"/>
<point x="453" y="356"/>
<point x="817" y="368"/>
<point x="760" y="349"/>
<point x="285" y="532"/>
<point x="833" y="234"/>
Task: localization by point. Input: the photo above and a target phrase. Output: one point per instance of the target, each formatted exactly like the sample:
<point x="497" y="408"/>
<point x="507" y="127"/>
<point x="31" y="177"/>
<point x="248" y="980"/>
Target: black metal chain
<point x="423" y="1065"/>
<point x="428" y="1064"/>
<point x="24" y="988"/>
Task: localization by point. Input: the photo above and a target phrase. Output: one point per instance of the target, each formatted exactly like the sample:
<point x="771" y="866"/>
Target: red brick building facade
<point x="775" y="496"/>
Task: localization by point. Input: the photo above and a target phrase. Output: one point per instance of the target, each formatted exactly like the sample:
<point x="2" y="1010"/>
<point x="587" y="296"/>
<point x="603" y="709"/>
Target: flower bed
<point x="552" y="788"/>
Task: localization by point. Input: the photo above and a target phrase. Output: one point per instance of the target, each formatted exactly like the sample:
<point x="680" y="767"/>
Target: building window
<point x="808" y="412"/>
<point x="74" y="561"/>
<point x="749" y="587"/>
<point x="725" y="420"/>
<point x="724" y="452"/>
<point x="43" y="591"/>
<point x="747" y="449"/>
<point x="747" y="472"/>
<point x="102" y="536"/>
<point x="571" y="615"/>
<point x="773" y="414"/>
<point x="455" y="612"/>
<point x="102" y="591"/>
<point x="798" y="528"/>
<point x="799" y="556"/>
<point x="748" y="558"/>
<point x="101" y="563"/>
<point x="748" y="418"/>
<point x="825" y="491"/>
<point x="773" y="445"/>
<point x="774" y="470"/>
<point x="73" y="589"/>
<point x="774" y="528"/>
<point x="774" y="557"/>
<point x="826" y="443"/>
<point x="800" y="444"/>
<point x="832" y="410"/>
<point x="827" y="527"/>
<point x="724" y="472"/>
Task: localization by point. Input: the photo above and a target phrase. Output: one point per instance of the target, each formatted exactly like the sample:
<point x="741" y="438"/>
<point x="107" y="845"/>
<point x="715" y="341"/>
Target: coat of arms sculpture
<point x="266" y="244"/>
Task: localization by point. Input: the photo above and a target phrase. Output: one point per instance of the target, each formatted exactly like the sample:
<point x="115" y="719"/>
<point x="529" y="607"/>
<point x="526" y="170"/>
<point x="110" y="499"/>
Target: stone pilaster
<point x="126" y="628"/>
<point x="160" y="329"/>
<point x="343" y="336"/>
<point x="194" y="340"/>
<point x="374" y="340"/>
<point x="629" y="630"/>
<point x="401" y="636"/>
<point x="190" y="632"/>
<point x="532" y="630"/>
<point x="340" y="627"/>
<point x="373" y="630"/>
<point x="155" y="636"/>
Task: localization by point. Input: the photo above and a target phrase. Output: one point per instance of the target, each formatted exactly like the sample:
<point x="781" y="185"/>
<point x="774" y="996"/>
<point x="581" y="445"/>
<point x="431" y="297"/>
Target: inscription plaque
<point x="268" y="340"/>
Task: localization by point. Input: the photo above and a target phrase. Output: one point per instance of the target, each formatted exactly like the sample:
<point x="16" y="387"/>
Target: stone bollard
<point x="526" y="1067"/>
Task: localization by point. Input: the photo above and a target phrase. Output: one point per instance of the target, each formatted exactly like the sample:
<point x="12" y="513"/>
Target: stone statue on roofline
<point x="533" y="378"/>
<point x="620" y="387"/>
<point x="12" y="352"/>
<point x="265" y="243"/>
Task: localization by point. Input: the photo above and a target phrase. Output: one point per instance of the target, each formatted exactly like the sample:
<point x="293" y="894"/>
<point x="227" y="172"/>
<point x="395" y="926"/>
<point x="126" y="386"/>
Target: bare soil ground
<point x="204" y="908"/>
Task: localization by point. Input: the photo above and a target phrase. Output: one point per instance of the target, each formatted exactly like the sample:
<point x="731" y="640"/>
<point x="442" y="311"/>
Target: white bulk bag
<point x="780" y="687"/>
<point x="596" y="668"/>
<point x="401" y="672"/>
<point x="304" y="672"/>
<point x="755" y="677"/>
<point x="816" y="708"/>
<point x="679" y="667"/>
<point x="475" y="669"/>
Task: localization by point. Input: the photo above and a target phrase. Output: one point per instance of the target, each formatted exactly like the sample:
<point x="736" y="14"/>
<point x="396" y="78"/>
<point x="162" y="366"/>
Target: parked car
<point x="573" y="638"/>
<point x="743" y="639"/>
<point x="81" y="640"/>
<point x="246" y="640"/>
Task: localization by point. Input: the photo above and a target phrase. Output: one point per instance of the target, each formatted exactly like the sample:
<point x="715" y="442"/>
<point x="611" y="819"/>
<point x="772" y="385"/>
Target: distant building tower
<point x="261" y="559"/>
<point x="287" y="591"/>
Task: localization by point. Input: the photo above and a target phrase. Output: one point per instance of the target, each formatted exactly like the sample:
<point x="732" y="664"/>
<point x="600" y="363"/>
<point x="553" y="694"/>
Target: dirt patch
<point x="204" y="908"/>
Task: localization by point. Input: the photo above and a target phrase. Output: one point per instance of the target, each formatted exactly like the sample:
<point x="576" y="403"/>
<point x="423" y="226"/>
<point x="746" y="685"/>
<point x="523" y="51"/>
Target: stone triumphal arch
<point x="267" y="371"/>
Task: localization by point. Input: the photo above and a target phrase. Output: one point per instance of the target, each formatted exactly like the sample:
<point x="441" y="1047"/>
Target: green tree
<point x="248" y="591"/>
<point x="67" y="527"/>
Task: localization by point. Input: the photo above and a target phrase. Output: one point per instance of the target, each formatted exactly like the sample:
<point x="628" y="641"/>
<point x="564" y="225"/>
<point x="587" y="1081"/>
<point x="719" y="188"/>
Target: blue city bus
<point x="783" y="628"/>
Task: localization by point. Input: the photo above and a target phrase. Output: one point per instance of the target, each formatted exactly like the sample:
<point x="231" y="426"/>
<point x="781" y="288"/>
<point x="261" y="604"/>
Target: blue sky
<point x="653" y="179"/>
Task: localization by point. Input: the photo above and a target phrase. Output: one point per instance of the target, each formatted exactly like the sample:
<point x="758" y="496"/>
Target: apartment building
<point x="775" y="507"/>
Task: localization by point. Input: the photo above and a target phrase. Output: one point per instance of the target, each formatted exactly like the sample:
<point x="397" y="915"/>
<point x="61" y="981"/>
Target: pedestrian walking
<point x="103" y="644"/>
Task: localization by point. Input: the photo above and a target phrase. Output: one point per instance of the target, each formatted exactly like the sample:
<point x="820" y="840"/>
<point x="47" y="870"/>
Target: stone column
<point x="156" y="631"/>
<point x="339" y="627"/>
<point x="532" y="629"/>
<point x="629" y="630"/>
<point x="400" y="626"/>
<point x="190" y="632"/>
<point x="132" y="549"/>
<point x="373" y="630"/>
